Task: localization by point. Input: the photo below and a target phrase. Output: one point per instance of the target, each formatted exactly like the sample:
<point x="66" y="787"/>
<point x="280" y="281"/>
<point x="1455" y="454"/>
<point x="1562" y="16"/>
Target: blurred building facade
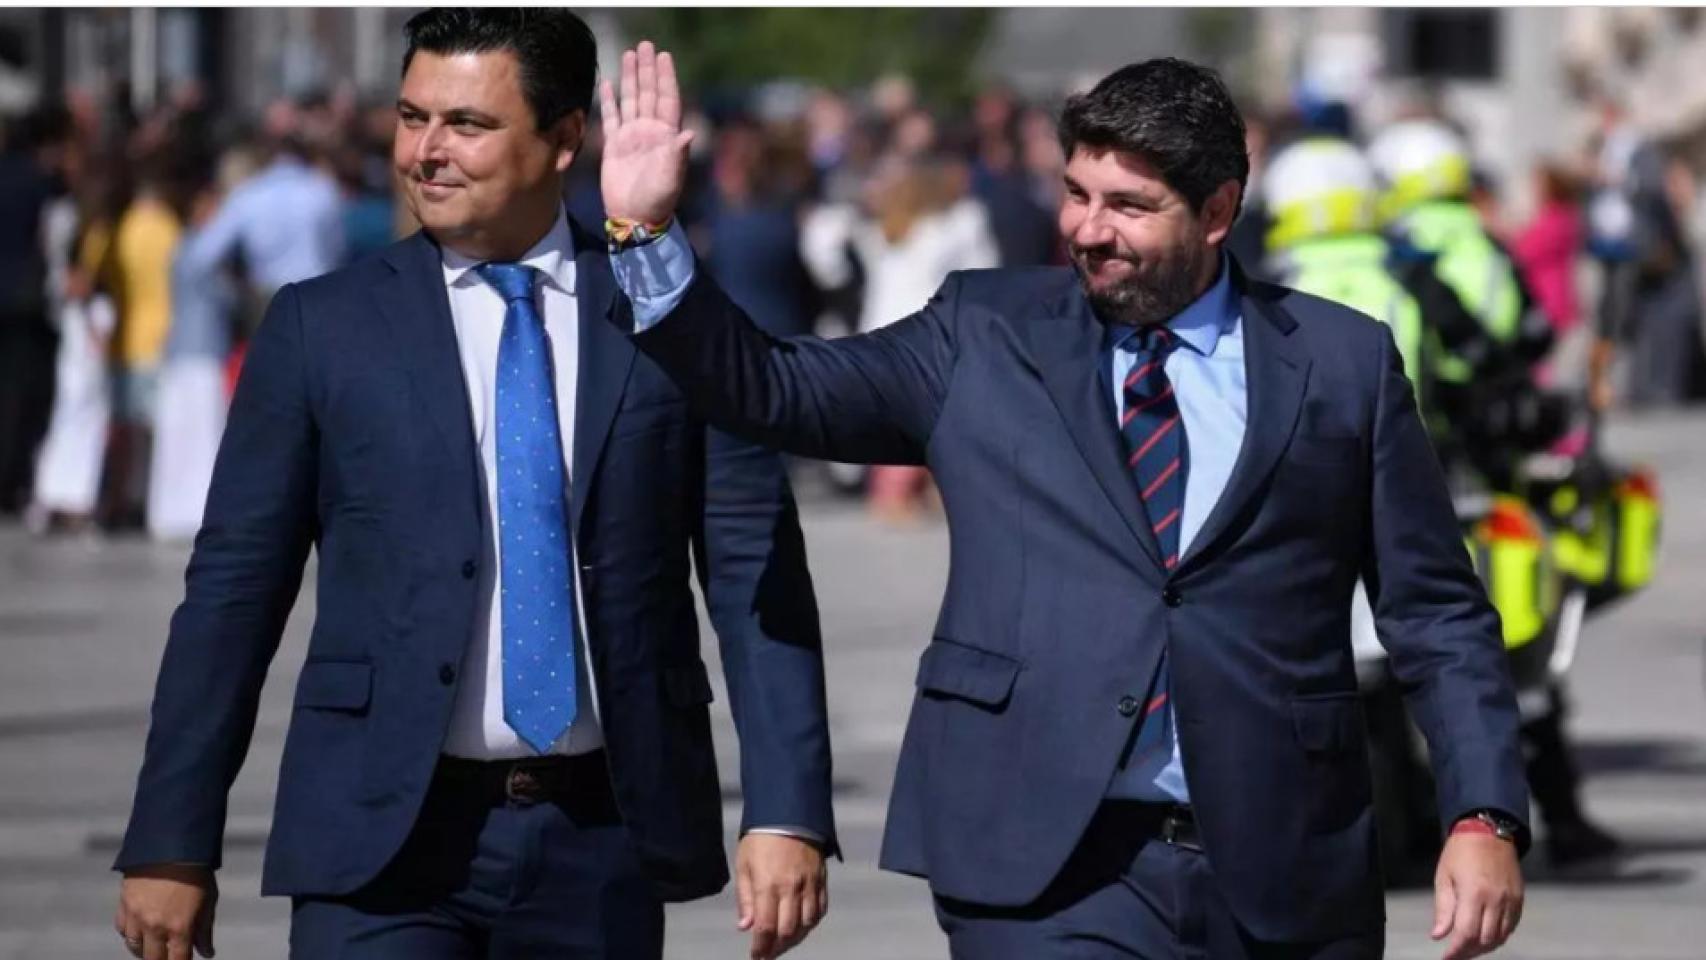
<point x="236" y="59"/>
<point x="1523" y="81"/>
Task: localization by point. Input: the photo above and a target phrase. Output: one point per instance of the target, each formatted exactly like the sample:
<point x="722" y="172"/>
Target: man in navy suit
<point x="1137" y="731"/>
<point x="500" y="744"/>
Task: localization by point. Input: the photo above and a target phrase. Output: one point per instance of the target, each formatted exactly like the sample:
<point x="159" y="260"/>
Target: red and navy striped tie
<point x="1156" y="455"/>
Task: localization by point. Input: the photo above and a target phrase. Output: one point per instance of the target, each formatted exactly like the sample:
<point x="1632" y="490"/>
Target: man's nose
<point x="430" y="148"/>
<point x="1093" y="230"/>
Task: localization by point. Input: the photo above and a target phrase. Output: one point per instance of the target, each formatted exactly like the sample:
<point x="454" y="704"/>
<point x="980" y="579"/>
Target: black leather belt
<point x="526" y="781"/>
<point x="1171" y="823"/>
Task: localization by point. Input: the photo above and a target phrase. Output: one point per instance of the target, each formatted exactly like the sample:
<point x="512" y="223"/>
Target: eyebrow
<point x="1117" y="196"/>
<point x="453" y="115"/>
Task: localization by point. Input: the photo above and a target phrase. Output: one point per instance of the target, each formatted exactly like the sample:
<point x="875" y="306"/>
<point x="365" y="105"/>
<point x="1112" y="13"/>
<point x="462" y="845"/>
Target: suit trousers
<point x="504" y="880"/>
<point x="1126" y="893"/>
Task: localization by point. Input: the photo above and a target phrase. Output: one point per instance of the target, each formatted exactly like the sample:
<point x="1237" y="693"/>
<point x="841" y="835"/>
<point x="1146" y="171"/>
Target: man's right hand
<point x="165" y="910"/>
<point x="645" y="149"/>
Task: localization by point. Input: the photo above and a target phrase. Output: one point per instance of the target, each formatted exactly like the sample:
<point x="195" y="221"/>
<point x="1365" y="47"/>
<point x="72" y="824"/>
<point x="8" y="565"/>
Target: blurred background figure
<point x="1549" y="251"/>
<point x="145" y="241"/>
<point x="27" y="340"/>
<point x="73" y="454"/>
<point x="189" y="415"/>
<point x="287" y="221"/>
<point x="748" y="227"/>
<point x="917" y="223"/>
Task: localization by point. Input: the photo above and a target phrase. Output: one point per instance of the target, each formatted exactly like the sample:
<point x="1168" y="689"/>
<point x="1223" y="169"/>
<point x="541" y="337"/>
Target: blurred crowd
<point x="138" y="250"/>
<point x="1609" y="247"/>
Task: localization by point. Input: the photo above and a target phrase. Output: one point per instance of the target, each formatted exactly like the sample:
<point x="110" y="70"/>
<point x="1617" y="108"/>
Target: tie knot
<point x="1151" y="339"/>
<point x="512" y="281"/>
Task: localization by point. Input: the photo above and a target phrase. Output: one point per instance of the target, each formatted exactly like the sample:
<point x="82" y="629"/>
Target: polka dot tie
<point x="534" y="547"/>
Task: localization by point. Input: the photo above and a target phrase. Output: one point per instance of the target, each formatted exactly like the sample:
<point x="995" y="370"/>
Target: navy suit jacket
<point x="350" y="434"/>
<point x="1058" y="607"/>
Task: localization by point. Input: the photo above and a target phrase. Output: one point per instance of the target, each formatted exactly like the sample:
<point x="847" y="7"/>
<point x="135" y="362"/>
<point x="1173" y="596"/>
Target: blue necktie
<point x="1155" y="450"/>
<point x="535" y="549"/>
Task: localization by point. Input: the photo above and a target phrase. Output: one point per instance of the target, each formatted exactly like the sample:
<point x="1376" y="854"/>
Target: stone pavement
<point x="82" y="624"/>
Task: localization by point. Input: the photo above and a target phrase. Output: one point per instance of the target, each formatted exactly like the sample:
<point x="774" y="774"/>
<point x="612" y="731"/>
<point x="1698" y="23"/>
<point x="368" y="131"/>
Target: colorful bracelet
<point x="625" y="234"/>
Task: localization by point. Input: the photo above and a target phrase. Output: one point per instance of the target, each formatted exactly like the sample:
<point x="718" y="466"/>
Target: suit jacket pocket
<point x="1327" y="724"/>
<point x="956" y="670"/>
<point x="345" y="685"/>
<point x="688" y="684"/>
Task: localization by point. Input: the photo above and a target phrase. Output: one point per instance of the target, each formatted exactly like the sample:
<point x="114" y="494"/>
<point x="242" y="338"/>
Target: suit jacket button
<point x="1172" y="597"/>
<point x="468" y="569"/>
<point x="446" y="674"/>
<point x="1128" y="706"/>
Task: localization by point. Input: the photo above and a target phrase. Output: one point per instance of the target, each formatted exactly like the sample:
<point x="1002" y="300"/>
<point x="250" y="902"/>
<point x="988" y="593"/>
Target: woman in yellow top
<point x="143" y="246"/>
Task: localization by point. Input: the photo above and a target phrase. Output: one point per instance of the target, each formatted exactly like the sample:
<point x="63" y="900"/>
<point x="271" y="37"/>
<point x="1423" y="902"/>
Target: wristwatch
<point x="1499" y="825"/>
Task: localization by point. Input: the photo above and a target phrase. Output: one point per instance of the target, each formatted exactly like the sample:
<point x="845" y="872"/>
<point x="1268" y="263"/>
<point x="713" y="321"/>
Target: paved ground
<point x="81" y="626"/>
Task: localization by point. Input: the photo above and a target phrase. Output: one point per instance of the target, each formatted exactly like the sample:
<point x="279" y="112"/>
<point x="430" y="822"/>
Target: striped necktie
<point x="1154" y="438"/>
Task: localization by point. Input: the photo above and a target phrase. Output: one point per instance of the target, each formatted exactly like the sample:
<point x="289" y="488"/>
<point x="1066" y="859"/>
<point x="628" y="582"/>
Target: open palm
<point x="645" y="149"/>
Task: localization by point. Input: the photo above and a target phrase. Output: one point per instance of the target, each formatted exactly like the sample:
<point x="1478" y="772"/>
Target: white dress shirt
<point x="477" y="727"/>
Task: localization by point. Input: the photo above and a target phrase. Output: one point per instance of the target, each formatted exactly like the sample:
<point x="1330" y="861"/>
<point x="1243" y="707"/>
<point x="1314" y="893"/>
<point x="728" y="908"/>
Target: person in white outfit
<point x="918" y="225"/>
<point x="78" y="237"/>
<point x="190" y="414"/>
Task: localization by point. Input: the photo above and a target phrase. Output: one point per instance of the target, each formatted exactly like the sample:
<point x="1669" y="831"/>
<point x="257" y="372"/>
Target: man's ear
<point x="1220" y="210"/>
<point x="567" y="135"/>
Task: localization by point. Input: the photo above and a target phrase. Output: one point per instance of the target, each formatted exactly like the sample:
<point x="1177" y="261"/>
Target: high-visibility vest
<point x="1351" y="270"/>
<point x="1469" y="262"/>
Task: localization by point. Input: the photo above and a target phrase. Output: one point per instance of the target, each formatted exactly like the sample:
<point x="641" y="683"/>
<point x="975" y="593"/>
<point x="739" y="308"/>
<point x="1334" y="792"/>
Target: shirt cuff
<point x="798" y="833"/>
<point x="655" y="276"/>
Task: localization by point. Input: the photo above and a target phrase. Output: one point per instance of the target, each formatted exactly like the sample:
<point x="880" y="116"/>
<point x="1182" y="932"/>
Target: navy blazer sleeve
<point x="1433" y="615"/>
<point x="243" y="578"/>
<point x="751" y="561"/>
<point x="872" y="398"/>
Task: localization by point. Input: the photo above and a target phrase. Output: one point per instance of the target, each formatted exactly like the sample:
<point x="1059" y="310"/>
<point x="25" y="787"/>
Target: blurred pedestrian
<point x="749" y="231"/>
<point x="145" y="242"/>
<point x="287" y="223"/>
<point x="914" y="230"/>
<point x="1549" y="251"/>
<point x="27" y="340"/>
<point x="190" y="411"/>
<point x="73" y="454"/>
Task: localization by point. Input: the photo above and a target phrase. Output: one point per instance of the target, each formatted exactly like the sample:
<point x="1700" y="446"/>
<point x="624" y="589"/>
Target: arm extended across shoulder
<point x="872" y="398"/>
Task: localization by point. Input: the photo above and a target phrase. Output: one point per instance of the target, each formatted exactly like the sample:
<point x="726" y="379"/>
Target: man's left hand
<point x="1477" y="894"/>
<point x="782" y="889"/>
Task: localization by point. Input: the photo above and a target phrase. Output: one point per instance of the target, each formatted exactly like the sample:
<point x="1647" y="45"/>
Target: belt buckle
<point x="1177" y="831"/>
<point x="522" y="786"/>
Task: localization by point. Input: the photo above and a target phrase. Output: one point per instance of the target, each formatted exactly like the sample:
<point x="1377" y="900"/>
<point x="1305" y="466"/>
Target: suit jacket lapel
<point x="606" y="357"/>
<point x="1066" y="341"/>
<point x="1277" y="373"/>
<point x="417" y="308"/>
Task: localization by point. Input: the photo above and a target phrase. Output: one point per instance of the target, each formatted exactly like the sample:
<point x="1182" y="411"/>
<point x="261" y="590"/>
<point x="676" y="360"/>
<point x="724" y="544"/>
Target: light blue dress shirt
<point x="1207" y="373"/>
<point x="287" y="220"/>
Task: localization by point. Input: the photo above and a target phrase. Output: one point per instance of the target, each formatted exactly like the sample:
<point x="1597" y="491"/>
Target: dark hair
<point x="1177" y="115"/>
<point x="555" y="48"/>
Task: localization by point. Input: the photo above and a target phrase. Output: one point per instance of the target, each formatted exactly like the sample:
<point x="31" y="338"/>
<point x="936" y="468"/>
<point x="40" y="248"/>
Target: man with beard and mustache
<point x="1137" y="730"/>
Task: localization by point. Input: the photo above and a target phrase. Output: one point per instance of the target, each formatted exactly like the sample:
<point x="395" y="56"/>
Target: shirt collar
<point x="553" y="256"/>
<point x="1201" y="324"/>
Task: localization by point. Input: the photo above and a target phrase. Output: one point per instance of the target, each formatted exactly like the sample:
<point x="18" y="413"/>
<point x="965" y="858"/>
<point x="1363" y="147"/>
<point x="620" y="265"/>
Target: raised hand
<point x="645" y="149"/>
